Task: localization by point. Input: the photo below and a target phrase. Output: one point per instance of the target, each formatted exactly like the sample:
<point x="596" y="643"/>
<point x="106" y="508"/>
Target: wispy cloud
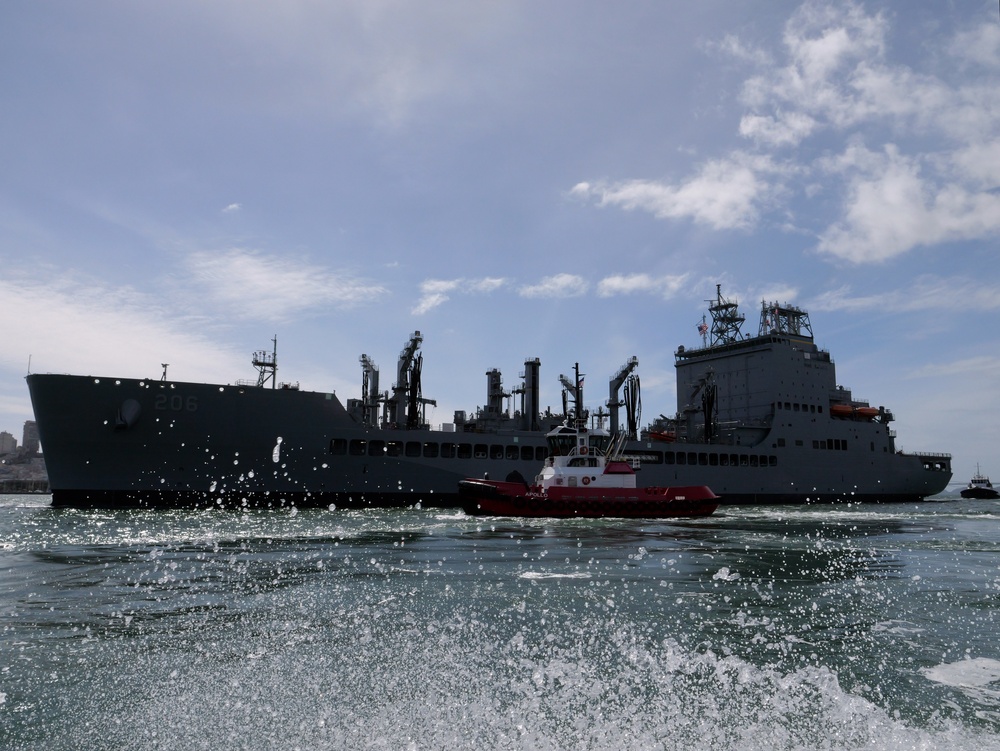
<point x="253" y="284"/>
<point x="983" y="365"/>
<point x="384" y="59"/>
<point x="955" y="294"/>
<point x="979" y="46"/>
<point x="665" y="286"/>
<point x="560" y="285"/>
<point x="826" y="47"/>
<point x="232" y="208"/>
<point x="435" y="292"/>
<point x="79" y="324"/>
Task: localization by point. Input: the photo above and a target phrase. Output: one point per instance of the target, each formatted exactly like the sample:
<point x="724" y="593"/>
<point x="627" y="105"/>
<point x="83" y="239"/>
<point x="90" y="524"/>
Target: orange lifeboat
<point x="662" y="435"/>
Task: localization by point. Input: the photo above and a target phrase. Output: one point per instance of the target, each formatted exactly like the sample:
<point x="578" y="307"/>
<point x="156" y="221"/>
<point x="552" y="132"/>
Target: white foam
<point x="978" y="677"/>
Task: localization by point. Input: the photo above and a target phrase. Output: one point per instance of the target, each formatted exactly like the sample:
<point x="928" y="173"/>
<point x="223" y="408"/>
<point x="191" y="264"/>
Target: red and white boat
<point x="585" y="475"/>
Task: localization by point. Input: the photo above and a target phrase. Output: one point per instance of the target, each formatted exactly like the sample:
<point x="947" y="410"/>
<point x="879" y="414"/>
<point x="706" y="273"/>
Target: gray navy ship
<point x="760" y="419"/>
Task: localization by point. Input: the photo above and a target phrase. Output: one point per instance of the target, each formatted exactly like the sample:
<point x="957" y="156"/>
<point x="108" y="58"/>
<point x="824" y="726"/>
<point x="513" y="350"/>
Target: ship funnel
<point x="530" y="395"/>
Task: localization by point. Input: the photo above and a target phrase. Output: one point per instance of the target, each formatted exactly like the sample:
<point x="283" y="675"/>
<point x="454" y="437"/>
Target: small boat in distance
<point x="980" y="487"/>
<point x="585" y="475"/>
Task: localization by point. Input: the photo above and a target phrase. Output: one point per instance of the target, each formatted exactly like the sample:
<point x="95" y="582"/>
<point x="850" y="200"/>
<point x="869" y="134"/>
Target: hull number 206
<point x="176" y="403"/>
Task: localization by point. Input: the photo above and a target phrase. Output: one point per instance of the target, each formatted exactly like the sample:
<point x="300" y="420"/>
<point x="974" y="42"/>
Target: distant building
<point x="29" y="441"/>
<point x="8" y="443"/>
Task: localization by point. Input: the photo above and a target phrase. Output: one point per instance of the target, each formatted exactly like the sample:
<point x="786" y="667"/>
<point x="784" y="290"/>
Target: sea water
<point x="834" y="627"/>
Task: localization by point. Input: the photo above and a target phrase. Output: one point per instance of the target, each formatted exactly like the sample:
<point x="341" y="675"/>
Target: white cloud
<point x="781" y="294"/>
<point x="232" y="208"/>
<point x="825" y="45"/>
<point x="824" y="37"/>
<point x="724" y="194"/>
<point x="783" y="130"/>
<point x="734" y="47"/>
<point x="667" y="286"/>
<point x="980" y="164"/>
<point x="488" y="284"/>
<point x="891" y="207"/>
<point x="435" y="292"/>
<point x="980" y="46"/>
<point x="836" y="80"/>
<point x="257" y="285"/>
<point x="560" y="285"/>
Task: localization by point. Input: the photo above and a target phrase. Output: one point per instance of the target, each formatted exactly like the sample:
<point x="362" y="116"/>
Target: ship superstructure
<point x="759" y="419"/>
<point x="771" y="401"/>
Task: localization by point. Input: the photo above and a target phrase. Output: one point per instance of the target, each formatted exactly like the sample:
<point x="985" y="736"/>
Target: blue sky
<point x="565" y="180"/>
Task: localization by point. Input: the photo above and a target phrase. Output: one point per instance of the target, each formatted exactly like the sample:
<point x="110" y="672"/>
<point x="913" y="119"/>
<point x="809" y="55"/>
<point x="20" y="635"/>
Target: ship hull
<point x="125" y="442"/>
<point x="489" y="498"/>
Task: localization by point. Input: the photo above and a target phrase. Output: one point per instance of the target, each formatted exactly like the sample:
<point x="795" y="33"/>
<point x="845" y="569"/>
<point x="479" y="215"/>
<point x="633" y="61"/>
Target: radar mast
<point x="726" y="319"/>
<point x="784" y="319"/>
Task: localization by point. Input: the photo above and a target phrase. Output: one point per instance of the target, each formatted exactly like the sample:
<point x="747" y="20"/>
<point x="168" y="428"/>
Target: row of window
<point x="800" y="407"/>
<point x="837" y="444"/>
<point x="704" y="458"/>
<point x="515" y="452"/>
<point x="433" y="450"/>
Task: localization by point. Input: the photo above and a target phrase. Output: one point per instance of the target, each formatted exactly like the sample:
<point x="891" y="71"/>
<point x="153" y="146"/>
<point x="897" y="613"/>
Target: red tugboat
<point x="585" y="475"/>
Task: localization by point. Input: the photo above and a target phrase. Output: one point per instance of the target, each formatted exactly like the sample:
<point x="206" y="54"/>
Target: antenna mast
<point x="726" y="319"/>
<point x="267" y="365"/>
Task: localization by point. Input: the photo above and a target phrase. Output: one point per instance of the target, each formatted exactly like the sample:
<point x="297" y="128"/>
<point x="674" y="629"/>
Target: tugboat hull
<point x="489" y="498"/>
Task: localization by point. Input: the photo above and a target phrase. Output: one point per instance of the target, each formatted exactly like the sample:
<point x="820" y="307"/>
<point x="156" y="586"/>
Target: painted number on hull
<point x="176" y="403"/>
